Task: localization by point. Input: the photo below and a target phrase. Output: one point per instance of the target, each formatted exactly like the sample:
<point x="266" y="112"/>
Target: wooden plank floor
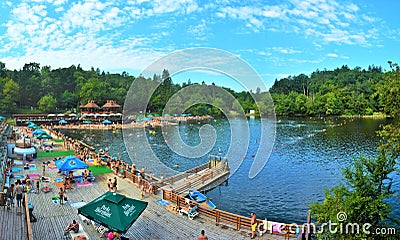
<point x="155" y="222"/>
<point x="181" y="187"/>
<point x="13" y="224"/>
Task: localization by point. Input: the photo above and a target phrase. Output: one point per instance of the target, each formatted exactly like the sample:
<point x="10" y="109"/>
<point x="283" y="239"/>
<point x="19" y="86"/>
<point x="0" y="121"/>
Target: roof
<point x="91" y="104"/>
<point x="111" y="104"/>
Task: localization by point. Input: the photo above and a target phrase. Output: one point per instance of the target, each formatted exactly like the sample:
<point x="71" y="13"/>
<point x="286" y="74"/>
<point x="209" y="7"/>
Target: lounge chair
<point x="190" y="211"/>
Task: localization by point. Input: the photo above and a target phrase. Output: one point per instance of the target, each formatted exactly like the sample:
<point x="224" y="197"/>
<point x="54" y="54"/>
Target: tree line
<point x="359" y="208"/>
<point x="342" y="91"/>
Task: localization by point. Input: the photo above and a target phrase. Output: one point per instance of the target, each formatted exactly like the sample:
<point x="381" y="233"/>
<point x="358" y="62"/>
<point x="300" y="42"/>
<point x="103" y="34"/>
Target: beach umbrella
<point x="105" y="122"/>
<point x="87" y="122"/>
<point x="44" y="136"/>
<point x="114" y="211"/>
<point x="38" y="131"/>
<point x="62" y="121"/>
<point x="70" y="163"/>
<point x="2" y="118"/>
<point x="32" y="125"/>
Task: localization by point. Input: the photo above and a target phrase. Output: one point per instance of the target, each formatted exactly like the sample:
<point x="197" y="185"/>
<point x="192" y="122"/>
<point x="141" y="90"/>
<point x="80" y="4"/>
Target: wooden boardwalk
<point x="201" y="178"/>
<point x="13" y="224"/>
<point x="155" y="223"/>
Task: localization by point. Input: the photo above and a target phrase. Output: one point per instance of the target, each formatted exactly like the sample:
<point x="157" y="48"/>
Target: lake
<point x="307" y="157"/>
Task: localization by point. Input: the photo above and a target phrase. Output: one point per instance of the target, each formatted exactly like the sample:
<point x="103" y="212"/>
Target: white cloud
<point x="334" y="55"/>
<point x="285" y="50"/>
<point x="199" y="31"/>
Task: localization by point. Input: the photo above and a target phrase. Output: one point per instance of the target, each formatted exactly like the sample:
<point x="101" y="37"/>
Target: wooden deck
<point x="201" y="178"/>
<point x="155" y="223"/>
<point x="13" y="224"/>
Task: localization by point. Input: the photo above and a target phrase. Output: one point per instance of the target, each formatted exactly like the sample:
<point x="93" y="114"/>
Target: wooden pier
<point x="201" y="178"/>
<point x="156" y="222"/>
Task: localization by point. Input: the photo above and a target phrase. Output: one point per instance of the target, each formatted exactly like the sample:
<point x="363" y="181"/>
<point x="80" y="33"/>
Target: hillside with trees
<point x="342" y="91"/>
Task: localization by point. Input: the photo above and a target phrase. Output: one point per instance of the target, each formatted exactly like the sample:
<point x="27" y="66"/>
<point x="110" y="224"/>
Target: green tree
<point x="10" y="95"/>
<point x="368" y="181"/>
<point x="47" y="103"/>
<point x="362" y="199"/>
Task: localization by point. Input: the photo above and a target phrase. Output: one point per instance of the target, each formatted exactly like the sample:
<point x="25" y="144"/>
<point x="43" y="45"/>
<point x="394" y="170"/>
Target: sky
<point x="276" y="38"/>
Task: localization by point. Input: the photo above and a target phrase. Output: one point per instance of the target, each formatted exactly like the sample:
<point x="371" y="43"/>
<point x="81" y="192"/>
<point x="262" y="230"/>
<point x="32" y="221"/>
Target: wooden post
<point x="163" y="194"/>
<point x="217" y="216"/>
<point x="187" y="174"/>
<point x="28" y="218"/>
<point x="238" y="223"/>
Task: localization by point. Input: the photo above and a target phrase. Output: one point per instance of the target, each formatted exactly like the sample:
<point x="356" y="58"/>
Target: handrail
<point x="28" y="218"/>
<point x="182" y="175"/>
<point x="219" y="216"/>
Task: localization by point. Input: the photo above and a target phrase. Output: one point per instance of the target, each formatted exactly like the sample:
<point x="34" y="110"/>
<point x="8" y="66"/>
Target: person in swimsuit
<point x="74" y="226"/>
<point x="18" y="192"/>
<point x="61" y="195"/>
<point x="253" y="223"/>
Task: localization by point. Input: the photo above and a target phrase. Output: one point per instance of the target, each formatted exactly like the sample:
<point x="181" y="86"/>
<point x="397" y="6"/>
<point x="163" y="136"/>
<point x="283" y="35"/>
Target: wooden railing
<point x="235" y="221"/>
<point x="201" y="179"/>
<point x="135" y="179"/>
<point x="28" y="218"/>
<point x="171" y="180"/>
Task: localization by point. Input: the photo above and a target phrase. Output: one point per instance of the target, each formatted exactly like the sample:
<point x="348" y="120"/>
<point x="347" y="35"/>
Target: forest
<point x="342" y="91"/>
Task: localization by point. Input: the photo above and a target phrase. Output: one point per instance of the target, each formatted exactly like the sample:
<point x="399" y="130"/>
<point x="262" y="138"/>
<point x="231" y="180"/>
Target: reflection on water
<point x="307" y="157"/>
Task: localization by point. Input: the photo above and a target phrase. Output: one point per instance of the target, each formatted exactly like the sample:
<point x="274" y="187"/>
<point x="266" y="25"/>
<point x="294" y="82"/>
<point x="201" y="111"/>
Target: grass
<point x="96" y="170"/>
<point x="55" y="154"/>
<point x="58" y="140"/>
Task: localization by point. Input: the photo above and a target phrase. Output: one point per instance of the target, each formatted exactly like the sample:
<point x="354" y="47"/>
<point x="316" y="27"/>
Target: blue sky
<point x="277" y="38"/>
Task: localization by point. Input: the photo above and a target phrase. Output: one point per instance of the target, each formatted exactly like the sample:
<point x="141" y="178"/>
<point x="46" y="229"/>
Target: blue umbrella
<point x="62" y="121"/>
<point x="106" y="122"/>
<point x="38" y="131"/>
<point x="70" y="163"/>
<point x="32" y="125"/>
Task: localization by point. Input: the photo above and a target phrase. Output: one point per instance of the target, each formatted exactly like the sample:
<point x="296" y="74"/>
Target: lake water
<point x="307" y="157"/>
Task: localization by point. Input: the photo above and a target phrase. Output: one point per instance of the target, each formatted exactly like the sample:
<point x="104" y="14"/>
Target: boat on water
<point x="202" y="199"/>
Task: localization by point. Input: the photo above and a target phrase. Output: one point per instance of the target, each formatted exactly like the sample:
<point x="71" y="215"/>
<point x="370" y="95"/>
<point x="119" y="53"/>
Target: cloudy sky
<point x="277" y="38"/>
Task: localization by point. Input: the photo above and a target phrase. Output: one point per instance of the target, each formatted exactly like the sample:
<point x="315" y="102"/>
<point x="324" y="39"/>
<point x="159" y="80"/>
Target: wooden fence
<point x="135" y="179"/>
<point x="171" y="180"/>
<point x="235" y="221"/>
<point x="28" y="218"/>
<point x="201" y="179"/>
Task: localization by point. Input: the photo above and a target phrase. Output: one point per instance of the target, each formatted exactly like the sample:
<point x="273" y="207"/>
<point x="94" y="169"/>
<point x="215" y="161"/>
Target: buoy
<point x="252" y="155"/>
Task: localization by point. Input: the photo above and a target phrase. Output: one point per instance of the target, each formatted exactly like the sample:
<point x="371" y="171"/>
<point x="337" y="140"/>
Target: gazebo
<point x="90" y="107"/>
<point x="111" y="107"/>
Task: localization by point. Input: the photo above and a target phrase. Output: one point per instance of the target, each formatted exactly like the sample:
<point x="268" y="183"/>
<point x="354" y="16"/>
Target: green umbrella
<point x="44" y="136"/>
<point x="114" y="211"/>
<point x="2" y="118"/>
